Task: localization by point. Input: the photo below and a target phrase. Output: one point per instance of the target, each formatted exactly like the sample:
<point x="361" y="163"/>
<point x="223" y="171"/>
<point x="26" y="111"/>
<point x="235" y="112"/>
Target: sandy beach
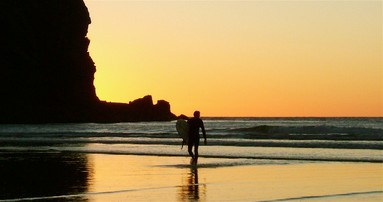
<point x="105" y="177"/>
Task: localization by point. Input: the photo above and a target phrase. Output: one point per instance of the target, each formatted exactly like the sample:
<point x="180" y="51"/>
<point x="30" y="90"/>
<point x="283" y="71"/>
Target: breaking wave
<point x="310" y="132"/>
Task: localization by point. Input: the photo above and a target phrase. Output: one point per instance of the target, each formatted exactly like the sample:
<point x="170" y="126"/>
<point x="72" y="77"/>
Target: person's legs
<point x="190" y="147"/>
<point x="196" y="144"/>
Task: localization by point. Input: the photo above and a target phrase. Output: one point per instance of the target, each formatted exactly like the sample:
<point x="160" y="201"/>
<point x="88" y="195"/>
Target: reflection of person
<point x="195" y="124"/>
<point x="193" y="184"/>
<point x="192" y="190"/>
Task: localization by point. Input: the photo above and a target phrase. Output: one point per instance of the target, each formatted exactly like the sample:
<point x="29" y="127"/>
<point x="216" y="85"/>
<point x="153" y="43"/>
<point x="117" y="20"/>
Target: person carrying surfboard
<point x="195" y="124"/>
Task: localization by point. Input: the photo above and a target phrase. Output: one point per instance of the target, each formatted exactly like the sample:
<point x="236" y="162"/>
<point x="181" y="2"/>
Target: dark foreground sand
<point x="102" y="177"/>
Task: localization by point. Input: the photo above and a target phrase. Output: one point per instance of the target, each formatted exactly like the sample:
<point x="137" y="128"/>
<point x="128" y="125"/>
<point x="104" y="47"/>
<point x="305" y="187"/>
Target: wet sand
<point x="103" y="177"/>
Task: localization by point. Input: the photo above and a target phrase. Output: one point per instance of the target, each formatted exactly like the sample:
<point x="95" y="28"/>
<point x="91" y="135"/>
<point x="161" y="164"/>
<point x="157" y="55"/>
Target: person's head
<point x="197" y="114"/>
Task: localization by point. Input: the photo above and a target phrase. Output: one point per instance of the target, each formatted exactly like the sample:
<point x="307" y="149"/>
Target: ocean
<point x="243" y="139"/>
<point x="245" y="159"/>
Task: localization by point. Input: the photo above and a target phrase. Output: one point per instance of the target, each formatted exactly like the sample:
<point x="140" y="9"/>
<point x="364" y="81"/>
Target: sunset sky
<point x="241" y="58"/>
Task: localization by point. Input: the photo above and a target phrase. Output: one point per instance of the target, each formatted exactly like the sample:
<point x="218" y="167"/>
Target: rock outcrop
<point x="46" y="72"/>
<point x="141" y="109"/>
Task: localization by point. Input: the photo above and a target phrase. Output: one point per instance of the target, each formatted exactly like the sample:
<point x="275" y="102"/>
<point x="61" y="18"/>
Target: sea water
<point x="291" y="139"/>
<point x="50" y="162"/>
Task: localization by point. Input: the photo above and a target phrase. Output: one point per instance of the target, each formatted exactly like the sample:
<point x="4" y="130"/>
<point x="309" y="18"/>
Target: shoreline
<point x="110" y="177"/>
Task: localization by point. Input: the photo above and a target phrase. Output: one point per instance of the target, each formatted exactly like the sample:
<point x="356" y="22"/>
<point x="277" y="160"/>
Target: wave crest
<point x="311" y="132"/>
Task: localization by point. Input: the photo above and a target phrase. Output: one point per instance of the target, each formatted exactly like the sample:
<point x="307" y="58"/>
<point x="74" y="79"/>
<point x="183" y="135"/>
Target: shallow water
<point x="63" y="176"/>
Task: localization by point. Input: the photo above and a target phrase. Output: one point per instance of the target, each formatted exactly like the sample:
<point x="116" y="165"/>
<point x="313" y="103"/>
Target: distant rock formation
<point x="46" y="72"/>
<point x="141" y="109"/>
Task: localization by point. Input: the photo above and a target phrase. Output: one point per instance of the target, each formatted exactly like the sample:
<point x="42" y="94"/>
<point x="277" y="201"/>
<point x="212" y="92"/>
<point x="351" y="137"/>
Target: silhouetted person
<point x="195" y="124"/>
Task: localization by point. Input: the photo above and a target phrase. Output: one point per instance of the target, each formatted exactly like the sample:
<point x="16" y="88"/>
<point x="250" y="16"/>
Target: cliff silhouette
<point x="46" y="70"/>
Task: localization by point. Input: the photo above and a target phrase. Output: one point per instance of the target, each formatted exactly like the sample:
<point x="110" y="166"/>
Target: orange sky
<point x="241" y="58"/>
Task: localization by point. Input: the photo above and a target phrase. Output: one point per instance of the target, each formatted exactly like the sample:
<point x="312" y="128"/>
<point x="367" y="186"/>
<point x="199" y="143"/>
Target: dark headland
<point x="46" y="72"/>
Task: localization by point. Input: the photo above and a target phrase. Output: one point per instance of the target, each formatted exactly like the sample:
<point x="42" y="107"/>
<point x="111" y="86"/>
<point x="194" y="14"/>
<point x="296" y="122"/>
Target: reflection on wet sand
<point x="34" y="175"/>
<point x="191" y="189"/>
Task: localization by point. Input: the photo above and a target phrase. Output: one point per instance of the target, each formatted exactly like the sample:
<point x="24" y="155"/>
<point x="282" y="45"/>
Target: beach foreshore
<point x="105" y="177"/>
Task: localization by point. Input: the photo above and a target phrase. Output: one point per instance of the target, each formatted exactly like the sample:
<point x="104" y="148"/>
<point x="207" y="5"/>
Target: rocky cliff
<point x="46" y="70"/>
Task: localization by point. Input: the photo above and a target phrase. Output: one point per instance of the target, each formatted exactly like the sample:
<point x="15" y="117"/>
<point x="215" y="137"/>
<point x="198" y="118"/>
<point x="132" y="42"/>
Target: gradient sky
<point x="241" y="58"/>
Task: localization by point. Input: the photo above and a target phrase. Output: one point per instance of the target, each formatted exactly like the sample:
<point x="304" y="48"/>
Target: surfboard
<point x="183" y="130"/>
